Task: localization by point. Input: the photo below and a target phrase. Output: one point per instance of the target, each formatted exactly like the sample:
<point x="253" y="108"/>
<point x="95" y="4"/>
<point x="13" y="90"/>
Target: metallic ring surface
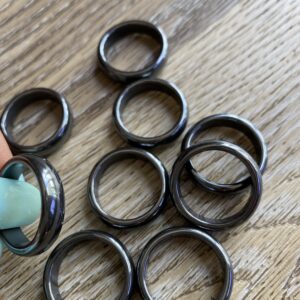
<point x="22" y="100"/>
<point x="145" y="85"/>
<point x="126" y="28"/>
<point x="235" y="122"/>
<point x="184" y="232"/>
<point x="52" y="209"/>
<point x="108" y="160"/>
<point x="50" y="279"/>
<point x="209" y="223"/>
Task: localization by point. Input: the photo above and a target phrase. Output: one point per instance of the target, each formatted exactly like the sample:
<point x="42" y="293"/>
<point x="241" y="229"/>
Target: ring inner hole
<point x="91" y="270"/>
<point x="36" y="122"/>
<point x="24" y="197"/>
<point x="208" y="204"/>
<point x="150" y="114"/>
<point x="218" y="166"/>
<point x="129" y="188"/>
<point x="133" y="52"/>
<point x="184" y="268"/>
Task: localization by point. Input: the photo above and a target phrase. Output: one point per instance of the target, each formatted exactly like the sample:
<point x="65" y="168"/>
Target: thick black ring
<point x="52" y="209"/>
<point x="124" y="29"/>
<point x="208" y="223"/>
<point x="232" y="121"/>
<point x="111" y="158"/>
<point x="50" y="279"/>
<point x="145" y="85"/>
<point x="165" y="235"/>
<point x="22" y="100"/>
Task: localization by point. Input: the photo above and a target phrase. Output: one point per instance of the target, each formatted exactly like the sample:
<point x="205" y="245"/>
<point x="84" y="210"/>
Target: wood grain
<point x="231" y="56"/>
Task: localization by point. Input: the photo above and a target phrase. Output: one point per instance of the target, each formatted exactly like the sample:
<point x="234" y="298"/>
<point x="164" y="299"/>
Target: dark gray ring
<point x="111" y="158"/>
<point x="125" y="28"/>
<point x="50" y="278"/>
<point x="22" y="100"/>
<point x="232" y="121"/>
<point x="145" y="85"/>
<point x="221" y="253"/>
<point x="208" y="223"/>
<point x="52" y="210"/>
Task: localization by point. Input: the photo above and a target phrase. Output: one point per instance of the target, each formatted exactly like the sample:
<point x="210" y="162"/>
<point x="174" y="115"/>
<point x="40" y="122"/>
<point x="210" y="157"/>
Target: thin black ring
<point x="111" y="158"/>
<point x="145" y="85"/>
<point x="232" y="121"/>
<point x="190" y="232"/>
<point x="52" y="209"/>
<point x="208" y="223"/>
<point x="22" y="100"/>
<point x="125" y="28"/>
<point x="50" y="278"/>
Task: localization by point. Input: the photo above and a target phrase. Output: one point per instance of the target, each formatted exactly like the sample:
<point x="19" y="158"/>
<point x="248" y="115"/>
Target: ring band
<point x="126" y="28"/>
<point x="22" y="100"/>
<point x="165" y="235"/>
<point x="50" y="279"/>
<point x="145" y="85"/>
<point x="235" y="122"/>
<point x="209" y="223"/>
<point x="52" y="209"/>
<point x="108" y="160"/>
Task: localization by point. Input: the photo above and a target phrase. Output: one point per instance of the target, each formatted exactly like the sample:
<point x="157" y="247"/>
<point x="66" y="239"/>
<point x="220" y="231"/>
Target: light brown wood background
<point x="232" y="56"/>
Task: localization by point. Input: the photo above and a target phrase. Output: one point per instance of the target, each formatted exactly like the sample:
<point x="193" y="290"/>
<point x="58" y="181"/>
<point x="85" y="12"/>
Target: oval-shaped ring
<point x="52" y="208"/>
<point x="167" y="234"/>
<point x="235" y="122"/>
<point x="50" y="278"/>
<point x="126" y="28"/>
<point x="146" y="85"/>
<point x="108" y="160"/>
<point x="209" y="223"/>
<point x="24" y="99"/>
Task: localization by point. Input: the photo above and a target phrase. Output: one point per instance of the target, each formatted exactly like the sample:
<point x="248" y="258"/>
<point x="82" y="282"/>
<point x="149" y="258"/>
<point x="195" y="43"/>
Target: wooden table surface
<point x="239" y="57"/>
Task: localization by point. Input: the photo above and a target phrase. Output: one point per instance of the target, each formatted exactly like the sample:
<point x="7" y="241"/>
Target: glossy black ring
<point x="126" y="28"/>
<point x="146" y="85"/>
<point x="24" y="99"/>
<point x="50" y="279"/>
<point x="108" y="160"/>
<point x="209" y="223"/>
<point x="52" y="208"/>
<point x="235" y="122"/>
<point x="165" y="235"/>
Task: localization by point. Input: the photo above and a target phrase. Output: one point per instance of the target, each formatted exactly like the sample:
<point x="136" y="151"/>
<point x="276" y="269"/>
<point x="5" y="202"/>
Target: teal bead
<point x="20" y="203"/>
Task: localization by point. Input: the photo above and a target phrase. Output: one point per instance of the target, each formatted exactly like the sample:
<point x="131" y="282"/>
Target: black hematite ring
<point x="165" y="235"/>
<point x="208" y="223"/>
<point x="232" y="121"/>
<point x="22" y="100"/>
<point x="145" y="85"/>
<point x="126" y="28"/>
<point x="52" y="210"/>
<point x="50" y="279"/>
<point x="108" y="160"/>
